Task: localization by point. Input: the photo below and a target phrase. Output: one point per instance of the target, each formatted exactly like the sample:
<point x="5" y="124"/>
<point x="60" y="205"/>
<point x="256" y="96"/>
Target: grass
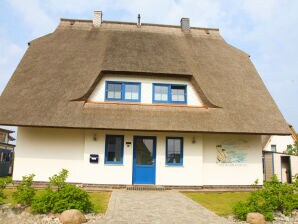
<point x="220" y="203"/>
<point x="8" y="196"/>
<point x="100" y="200"/>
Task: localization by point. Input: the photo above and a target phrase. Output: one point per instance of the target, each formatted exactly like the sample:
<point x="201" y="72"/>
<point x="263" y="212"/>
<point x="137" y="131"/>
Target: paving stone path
<point x="140" y="207"/>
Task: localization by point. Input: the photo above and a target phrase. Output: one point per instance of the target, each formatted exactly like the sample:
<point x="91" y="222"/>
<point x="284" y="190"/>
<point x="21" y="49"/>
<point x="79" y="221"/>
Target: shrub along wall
<point x="56" y="198"/>
<point x="275" y="196"/>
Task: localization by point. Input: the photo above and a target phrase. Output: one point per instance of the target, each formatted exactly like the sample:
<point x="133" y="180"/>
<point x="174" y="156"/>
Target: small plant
<point x="275" y="196"/>
<point x="60" y="196"/>
<point x="4" y="181"/>
<point x="292" y="149"/>
<point x="58" y="180"/>
<point x="25" y="192"/>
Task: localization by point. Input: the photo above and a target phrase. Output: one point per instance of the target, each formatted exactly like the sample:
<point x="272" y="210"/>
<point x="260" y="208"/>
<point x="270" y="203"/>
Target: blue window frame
<point x="114" y="149"/>
<point x="123" y="91"/>
<point x="174" y="151"/>
<point x="169" y="93"/>
<point x="273" y="148"/>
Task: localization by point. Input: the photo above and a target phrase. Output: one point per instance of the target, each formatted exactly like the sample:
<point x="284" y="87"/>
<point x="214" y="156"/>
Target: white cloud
<point x="34" y="17"/>
<point x="10" y="54"/>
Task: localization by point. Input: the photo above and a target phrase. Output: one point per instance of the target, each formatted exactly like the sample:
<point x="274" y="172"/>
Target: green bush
<point x="72" y="197"/>
<point x="25" y="192"/>
<point x="58" y="180"/>
<point x="45" y="202"/>
<point x="275" y="196"/>
<point x="4" y="181"/>
<point x="60" y="196"/>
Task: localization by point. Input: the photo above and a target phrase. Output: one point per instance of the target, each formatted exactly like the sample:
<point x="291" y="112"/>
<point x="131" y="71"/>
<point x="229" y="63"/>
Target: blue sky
<point x="266" y="30"/>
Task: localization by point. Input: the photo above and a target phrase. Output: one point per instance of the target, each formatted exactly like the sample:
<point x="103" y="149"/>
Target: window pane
<point x="174" y="150"/>
<point x="114" y="148"/>
<point x="114" y="91"/>
<point x="2" y="137"/>
<point x="161" y="93"/>
<point x="178" y="93"/>
<point x="273" y="148"/>
<point x="144" y="151"/>
<point x="131" y="91"/>
<point x="8" y="157"/>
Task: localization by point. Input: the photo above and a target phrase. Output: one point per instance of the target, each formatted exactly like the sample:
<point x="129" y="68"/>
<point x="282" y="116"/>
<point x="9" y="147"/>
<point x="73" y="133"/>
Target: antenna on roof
<point x="139" y="20"/>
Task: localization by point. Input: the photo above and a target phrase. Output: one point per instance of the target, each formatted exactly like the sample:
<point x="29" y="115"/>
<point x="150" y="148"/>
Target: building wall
<point x="276" y="166"/>
<point x="281" y="143"/>
<point x="268" y="166"/>
<point x="234" y="173"/>
<point x="45" y="152"/>
<point x="146" y="87"/>
<point x="294" y="165"/>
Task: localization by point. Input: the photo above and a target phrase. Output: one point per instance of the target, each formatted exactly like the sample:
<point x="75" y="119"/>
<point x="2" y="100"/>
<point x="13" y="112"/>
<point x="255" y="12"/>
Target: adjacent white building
<point x="276" y="160"/>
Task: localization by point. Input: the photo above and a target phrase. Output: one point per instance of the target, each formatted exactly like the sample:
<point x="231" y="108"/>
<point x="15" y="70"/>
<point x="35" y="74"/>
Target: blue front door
<point x="144" y="154"/>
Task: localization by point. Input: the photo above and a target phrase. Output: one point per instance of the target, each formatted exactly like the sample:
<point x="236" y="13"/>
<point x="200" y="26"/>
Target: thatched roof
<point x="57" y="71"/>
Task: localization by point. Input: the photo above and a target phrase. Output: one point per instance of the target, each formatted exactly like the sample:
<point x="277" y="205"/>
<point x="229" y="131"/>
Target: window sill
<point x="113" y="164"/>
<point x="146" y="104"/>
<point x="178" y="165"/>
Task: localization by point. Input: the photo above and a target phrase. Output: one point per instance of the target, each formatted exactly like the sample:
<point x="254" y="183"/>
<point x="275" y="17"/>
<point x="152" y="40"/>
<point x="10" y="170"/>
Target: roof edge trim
<point x="148" y="130"/>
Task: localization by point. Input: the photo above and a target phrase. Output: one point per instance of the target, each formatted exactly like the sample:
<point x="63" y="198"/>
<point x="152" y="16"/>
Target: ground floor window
<point x="174" y="151"/>
<point x="114" y="149"/>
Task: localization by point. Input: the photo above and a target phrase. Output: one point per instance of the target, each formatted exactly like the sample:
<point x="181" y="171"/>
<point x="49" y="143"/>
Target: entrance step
<point x="146" y="188"/>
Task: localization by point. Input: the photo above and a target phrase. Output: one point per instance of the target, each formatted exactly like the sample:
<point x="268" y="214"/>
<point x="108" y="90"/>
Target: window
<point x="273" y="148"/>
<point x="123" y="91"/>
<point x="161" y="93"/>
<point x="1" y="156"/>
<point x="169" y="93"/>
<point x="174" y="151"/>
<point x="114" y="149"/>
<point x="132" y="92"/>
<point x="3" y="137"/>
<point x="114" y="91"/>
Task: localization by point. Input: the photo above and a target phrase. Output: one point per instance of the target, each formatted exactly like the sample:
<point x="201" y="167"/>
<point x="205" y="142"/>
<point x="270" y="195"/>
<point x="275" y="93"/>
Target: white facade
<point x="193" y="98"/>
<point x="281" y="143"/>
<point x="278" y="163"/>
<point x="45" y="151"/>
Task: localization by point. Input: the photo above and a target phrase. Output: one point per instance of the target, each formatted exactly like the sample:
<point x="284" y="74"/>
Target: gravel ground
<point x="279" y="218"/>
<point x="22" y="216"/>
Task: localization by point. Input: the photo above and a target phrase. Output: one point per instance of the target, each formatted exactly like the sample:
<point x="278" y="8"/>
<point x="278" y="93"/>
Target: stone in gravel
<point x="255" y="218"/>
<point x="72" y="216"/>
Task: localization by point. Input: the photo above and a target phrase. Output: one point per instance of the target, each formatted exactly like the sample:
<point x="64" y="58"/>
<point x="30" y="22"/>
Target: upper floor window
<point x="123" y="91"/>
<point x="169" y="93"/>
<point x="174" y="151"/>
<point x="273" y="148"/>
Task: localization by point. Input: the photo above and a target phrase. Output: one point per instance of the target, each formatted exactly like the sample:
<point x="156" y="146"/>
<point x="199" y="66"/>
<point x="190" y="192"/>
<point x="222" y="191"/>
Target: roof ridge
<point x="134" y="23"/>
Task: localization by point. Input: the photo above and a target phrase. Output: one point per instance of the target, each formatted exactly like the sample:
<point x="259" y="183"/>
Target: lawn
<point x="220" y="203"/>
<point x="100" y="200"/>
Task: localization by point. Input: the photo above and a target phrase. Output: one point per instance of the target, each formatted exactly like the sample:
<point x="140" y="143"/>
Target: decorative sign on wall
<point x="231" y="152"/>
